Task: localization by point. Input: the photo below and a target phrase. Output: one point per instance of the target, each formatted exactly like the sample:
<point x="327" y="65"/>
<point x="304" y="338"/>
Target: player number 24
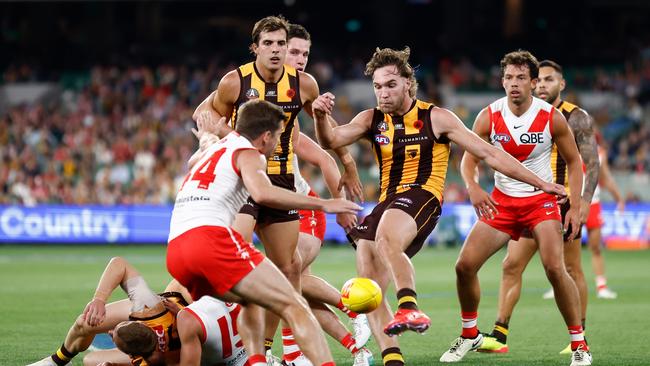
<point x="205" y="173"/>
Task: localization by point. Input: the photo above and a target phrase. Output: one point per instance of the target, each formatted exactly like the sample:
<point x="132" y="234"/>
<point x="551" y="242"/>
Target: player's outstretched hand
<point x="340" y="205"/>
<point x="572" y="218"/>
<point x="346" y="221"/>
<point x="352" y="184"/>
<point x="555" y="189"/>
<point x="95" y="312"/>
<point x="323" y="104"/>
<point x="207" y="128"/>
<point x="484" y="205"/>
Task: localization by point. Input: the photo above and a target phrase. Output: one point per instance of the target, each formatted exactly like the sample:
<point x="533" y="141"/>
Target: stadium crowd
<point x="120" y="135"/>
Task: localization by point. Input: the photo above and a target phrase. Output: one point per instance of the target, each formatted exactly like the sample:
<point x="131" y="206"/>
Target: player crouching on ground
<point x="145" y="325"/>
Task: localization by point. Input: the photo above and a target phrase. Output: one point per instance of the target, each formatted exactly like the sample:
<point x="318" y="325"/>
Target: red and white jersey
<point x="221" y="341"/>
<point x="213" y="191"/>
<point x="528" y="138"/>
<point x="301" y="184"/>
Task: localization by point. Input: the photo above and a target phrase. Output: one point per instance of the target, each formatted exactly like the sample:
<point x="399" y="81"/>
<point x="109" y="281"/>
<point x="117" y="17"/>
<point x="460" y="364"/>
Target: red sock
<point x="331" y="363"/>
<point x="349" y="343"/>
<point x="347" y="311"/>
<point x="469" y="319"/>
<point x="577" y="338"/>
<point x="256" y="360"/>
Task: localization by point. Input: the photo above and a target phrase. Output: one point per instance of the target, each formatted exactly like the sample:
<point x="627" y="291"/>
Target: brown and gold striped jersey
<point x="558" y="165"/>
<point x="407" y="151"/>
<point x="285" y="94"/>
<point x="164" y="326"/>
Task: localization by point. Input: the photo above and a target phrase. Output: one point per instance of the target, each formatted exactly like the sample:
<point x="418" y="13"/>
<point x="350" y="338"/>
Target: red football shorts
<point x="519" y="213"/>
<point x="595" y="218"/>
<point x="211" y="259"/>
<point x="313" y="222"/>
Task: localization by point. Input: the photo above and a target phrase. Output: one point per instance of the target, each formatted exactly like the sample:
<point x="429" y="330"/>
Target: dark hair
<point x="521" y="58"/>
<point x="269" y="24"/>
<point x="298" y="31"/>
<point x="258" y="116"/>
<point x="553" y="64"/>
<point x="136" y="339"/>
<point x="400" y="59"/>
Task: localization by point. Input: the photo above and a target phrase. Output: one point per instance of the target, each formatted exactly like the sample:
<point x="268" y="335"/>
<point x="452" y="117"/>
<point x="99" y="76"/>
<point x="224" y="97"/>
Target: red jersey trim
<point x="232" y="159"/>
<point x="520" y="152"/>
<point x="550" y="122"/>
<point x="198" y="318"/>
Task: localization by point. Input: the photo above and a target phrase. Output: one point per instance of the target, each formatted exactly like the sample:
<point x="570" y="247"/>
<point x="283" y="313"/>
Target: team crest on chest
<point x="382" y="126"/>
<point x="252" y="93"/>
<point x="412" y="153"/>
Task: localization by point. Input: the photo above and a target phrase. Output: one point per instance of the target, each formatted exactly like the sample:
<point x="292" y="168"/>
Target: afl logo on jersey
<point x="252" y="93"/>
<point x="291" y="93"/>
<point x="382" y="139"/>
<point x="501" y="137"/>
<point x="418" y="124"/>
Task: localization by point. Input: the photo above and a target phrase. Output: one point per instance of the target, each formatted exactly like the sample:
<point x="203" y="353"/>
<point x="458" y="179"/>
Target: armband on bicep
<point x="140" y="294"/>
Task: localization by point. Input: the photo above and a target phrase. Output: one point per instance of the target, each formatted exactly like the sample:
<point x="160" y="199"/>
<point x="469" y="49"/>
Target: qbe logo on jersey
<point x="532" y="138"/>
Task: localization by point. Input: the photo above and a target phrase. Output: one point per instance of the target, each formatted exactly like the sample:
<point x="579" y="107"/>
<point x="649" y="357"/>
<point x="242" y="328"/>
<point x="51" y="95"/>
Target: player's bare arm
<point x="189" y="330"/>
<point x="446" y="123"/>
<point x="117" y="272"/>
<point x="252" y="166"/>
<point x="567" y="147"/>
<point x="221" y="102"/>
<point x="331" y="138"/>
<point x="350" y="178"/>
<point x="482" y="201"/>
<point x="582" y="127"/>
<point x="308" y="150"/>
<point x="207" y="127"/>
<point x="606" y="180"/>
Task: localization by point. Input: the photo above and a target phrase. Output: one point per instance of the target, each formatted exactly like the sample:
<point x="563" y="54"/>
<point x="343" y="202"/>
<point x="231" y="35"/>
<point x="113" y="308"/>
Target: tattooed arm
<point x="581" y="125"/>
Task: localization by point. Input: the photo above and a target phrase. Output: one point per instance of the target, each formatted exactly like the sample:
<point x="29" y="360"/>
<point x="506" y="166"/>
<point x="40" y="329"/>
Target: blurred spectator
<point x="121" y="135"/>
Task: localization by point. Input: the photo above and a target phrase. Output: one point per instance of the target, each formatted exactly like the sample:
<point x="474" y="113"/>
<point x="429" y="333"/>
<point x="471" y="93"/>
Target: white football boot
<point x="47" y="361"/>
<point x="362" y="330"/>
<point x="460" y="347"/>
<point x="580" y="357"/>
<point x="363" y="357"/>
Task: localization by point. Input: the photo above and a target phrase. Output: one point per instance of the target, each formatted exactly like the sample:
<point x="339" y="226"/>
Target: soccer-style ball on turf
<point x="361" y="295"/>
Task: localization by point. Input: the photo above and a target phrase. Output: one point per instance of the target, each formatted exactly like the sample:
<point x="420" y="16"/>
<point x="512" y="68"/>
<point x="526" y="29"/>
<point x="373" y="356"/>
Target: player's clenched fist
<point x="323" y="104"/>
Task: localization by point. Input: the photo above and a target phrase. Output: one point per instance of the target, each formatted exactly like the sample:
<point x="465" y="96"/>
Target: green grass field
<point x="44" y="288"/>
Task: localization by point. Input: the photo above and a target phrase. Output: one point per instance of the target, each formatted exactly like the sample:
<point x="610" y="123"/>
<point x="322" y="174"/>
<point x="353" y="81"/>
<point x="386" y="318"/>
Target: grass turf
<point x="43" y="289"/>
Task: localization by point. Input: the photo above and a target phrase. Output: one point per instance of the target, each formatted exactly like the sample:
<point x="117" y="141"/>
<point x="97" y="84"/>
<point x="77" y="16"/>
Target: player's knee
<point x="465" y="268"/>
<point x="295" y="304"/>
<point x="554" y="271"/>
<point x="512" y="267"/>
<point x="81" y="328"/>
<point x="595" y="249"/>
<point x="291" y="270"/>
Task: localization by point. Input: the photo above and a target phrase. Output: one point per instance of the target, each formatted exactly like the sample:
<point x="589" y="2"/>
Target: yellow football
<point x="361" y="295"/>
